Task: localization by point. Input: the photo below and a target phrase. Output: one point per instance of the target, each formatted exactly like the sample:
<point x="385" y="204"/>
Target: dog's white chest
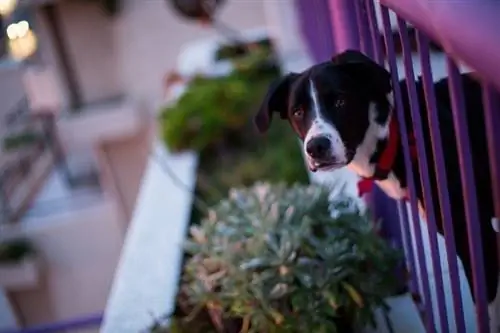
<point x="392" y="187"/>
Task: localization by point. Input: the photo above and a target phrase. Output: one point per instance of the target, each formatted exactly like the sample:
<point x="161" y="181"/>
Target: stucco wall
<point x="79" y="251"/>
<point x="148" y="37"/>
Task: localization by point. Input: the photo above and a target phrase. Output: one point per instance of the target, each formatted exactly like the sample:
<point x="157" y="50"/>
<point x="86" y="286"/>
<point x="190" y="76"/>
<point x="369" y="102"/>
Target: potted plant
<point x="18" y="264"/>
<point x="272" y="258"/>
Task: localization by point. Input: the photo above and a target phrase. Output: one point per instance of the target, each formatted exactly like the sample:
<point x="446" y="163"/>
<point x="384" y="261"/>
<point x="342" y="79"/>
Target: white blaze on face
<point x="320" y="127"/>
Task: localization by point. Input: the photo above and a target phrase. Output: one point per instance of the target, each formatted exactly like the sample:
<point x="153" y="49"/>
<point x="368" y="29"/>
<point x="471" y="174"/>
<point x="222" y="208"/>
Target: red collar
<point x="385" y="162"/>
<point x="387" y="158"/>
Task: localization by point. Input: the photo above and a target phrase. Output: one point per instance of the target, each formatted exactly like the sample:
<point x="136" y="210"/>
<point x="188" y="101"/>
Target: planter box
<point x="19" y="275"/>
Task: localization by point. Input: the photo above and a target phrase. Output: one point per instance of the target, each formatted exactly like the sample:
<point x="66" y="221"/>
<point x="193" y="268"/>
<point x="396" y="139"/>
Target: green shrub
<point x="210" y="108"/>
<point x="273" y="259"/>
<point x="237" y="50"/>
<point x="274" y="157"/>
<point x="215" y="109"/>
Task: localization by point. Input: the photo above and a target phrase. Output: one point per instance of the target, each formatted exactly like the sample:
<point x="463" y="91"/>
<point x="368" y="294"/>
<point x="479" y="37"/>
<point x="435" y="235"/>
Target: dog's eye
<point x="298" y="113"/>
<point x="340" y="103"/>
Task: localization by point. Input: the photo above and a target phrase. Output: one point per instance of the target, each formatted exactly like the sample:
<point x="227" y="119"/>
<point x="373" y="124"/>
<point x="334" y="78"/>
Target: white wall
<point x="8" y="320"/>
<point x="148" y="37"/>
<point x="88" y="33"/>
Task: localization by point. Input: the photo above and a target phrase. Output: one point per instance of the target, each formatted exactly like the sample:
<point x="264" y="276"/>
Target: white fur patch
<point x="321" y="127"/>
<point x="392" y="187"/>
<point x="361" y="162"/>
<point x="495" y="224"/>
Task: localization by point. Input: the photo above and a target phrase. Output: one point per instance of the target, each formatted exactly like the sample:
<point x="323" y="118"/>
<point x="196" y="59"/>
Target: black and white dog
<point x="343" y="112"/>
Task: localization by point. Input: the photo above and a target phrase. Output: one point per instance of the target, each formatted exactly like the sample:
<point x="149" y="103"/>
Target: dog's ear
<point x="276" y="100"/>
<point x="364" y="70"/>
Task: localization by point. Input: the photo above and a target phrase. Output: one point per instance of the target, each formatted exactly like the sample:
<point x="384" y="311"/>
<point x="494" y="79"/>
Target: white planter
<point x="19" y="275"/>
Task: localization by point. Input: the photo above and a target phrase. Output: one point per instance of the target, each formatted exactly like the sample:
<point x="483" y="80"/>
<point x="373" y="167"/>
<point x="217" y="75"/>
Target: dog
<point x="343" y="111"/>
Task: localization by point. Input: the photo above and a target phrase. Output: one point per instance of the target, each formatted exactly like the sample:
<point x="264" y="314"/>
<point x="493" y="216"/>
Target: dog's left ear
<point x="364" y="70"/>
<point x="276" y="100"/>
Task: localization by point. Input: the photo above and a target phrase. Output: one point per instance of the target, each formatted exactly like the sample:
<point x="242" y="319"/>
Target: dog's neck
<point x="374" y="148"/>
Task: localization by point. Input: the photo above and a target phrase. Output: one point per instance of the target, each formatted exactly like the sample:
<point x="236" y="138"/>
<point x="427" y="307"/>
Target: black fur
<point x="475" y="118"/>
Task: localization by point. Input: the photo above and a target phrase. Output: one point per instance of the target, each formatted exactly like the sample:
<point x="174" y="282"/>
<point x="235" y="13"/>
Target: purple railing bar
<point x="424" y="175"/>
<point x="314" y="20"/>
<point x="323" y="23"/>
<point x="402" y="212"/>
<point x="343" y="18"/>
<point x="363" y="28"/>
<point x="469" y="193"/>
<point x="407" y="245"/>
<point x="398" y="231"/>
<point x="410" y="175"/>
<point x="61" y="326"/>
<point x="444" y="22"/>
<point x="491" y="104"/>
<point x="374" y="31"/>
<point x="383" y="209"/>
<point x="437" y="147"/>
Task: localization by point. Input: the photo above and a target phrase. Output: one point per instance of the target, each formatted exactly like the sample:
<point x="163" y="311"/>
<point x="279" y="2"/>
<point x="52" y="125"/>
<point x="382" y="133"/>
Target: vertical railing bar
<point x="469" y="194"/>
<point x="409" y="169"/>
<point x="424" y="174"/>
<point x="407" y="245"/>
<point x="319" y="20"/>
<point x="444" y="200"/>
<point x="375" y="32"/>
<point x="492" y="120"/>
<point x="359" y="25"/>
<point x="491" y="102"/>
<point x="402" y="213"/>
<point x="363" y="29"/>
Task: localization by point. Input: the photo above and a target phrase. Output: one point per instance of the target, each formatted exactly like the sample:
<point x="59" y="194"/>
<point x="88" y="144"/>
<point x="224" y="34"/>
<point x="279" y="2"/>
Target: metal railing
<point x="465" y="31"/>
<point x="80" y="323"/>
<point x="17" y="163"/>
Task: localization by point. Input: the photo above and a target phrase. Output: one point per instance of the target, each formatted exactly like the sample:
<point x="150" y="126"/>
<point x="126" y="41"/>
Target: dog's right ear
<point x="276" y="100"/>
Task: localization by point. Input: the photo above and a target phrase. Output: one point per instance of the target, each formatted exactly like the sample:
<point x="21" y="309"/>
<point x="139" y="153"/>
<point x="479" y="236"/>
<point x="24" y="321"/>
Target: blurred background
<point x="92" y="93"/>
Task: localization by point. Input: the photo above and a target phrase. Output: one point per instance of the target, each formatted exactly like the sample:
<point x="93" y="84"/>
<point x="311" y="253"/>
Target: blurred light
<point x="22" y="40"/>
<point x="7" y="7"/>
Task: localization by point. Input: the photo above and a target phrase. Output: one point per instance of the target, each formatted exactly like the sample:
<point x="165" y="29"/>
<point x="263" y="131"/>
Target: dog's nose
<point x="318" y="147"/>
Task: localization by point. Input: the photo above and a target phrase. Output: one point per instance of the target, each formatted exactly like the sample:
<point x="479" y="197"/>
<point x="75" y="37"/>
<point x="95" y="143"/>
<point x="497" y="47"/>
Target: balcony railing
<point x="466" y="32"/>
<point x="28" y="153"/>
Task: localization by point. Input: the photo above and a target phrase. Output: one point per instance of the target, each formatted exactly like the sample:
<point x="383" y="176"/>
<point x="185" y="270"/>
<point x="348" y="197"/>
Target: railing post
<point x="345" y="30"/>
<point x="315" y="23"/>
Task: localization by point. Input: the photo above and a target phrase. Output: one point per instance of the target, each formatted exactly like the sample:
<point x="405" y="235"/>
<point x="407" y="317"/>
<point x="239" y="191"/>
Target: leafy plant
<point x="15" y="250"/>
<point x="236" y="50"/>
<point x="210" y="108"/>
<point x="214" y="110"/>
<point x="273" y="259"/>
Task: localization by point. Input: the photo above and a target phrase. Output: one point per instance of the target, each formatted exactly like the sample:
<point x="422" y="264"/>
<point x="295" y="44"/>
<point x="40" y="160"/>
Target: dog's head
<point x="331" y="106"/>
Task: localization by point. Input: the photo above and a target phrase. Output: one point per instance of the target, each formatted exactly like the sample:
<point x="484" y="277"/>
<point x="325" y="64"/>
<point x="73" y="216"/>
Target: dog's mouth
<point x="315" y="165"/>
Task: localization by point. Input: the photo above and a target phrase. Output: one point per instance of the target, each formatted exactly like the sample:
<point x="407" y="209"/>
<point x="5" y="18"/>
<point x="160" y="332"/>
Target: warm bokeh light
<point x="7" y="7"/>
<point x="22" y="40"/>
